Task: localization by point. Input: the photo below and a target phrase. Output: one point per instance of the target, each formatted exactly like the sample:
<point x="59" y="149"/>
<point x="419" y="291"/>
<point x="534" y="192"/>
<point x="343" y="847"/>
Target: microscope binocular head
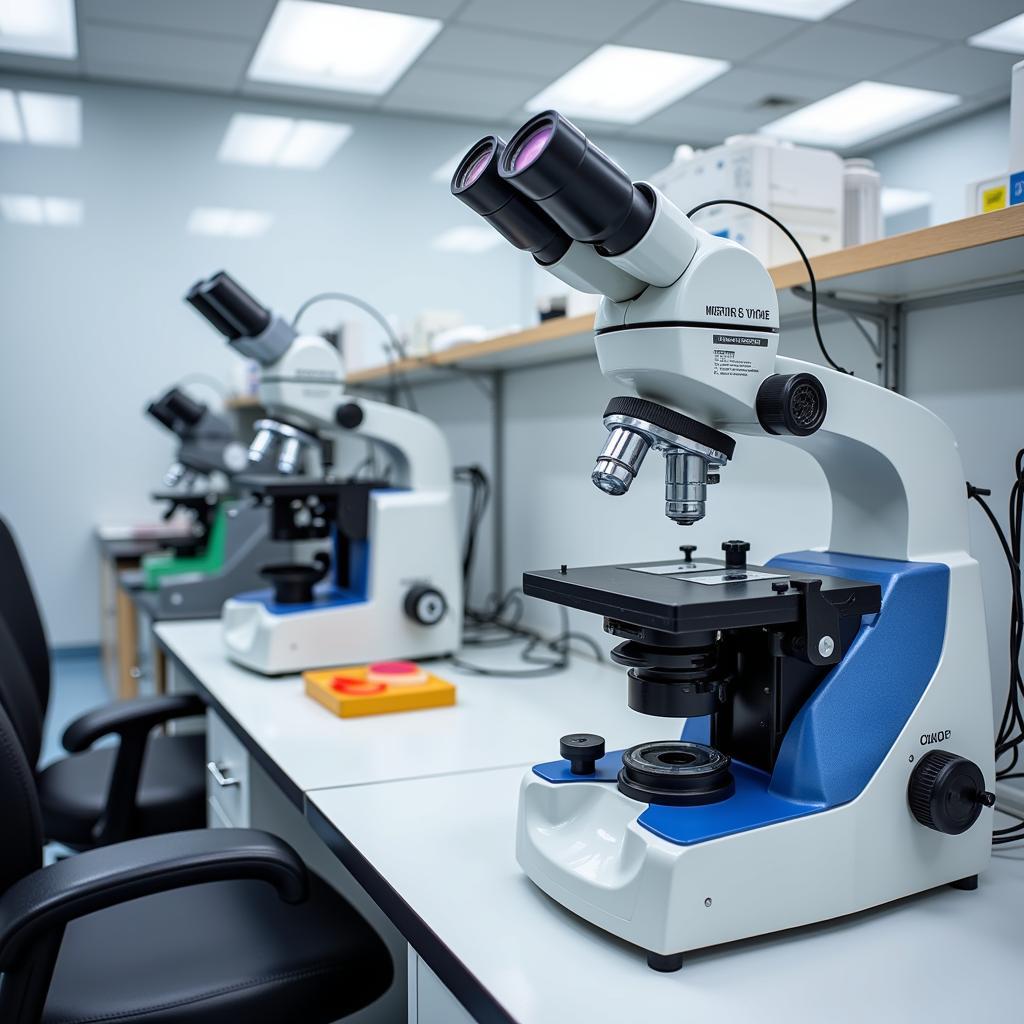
<point x="290" y="444"/>
<point x="692" y="450"/>
<point x="551" y="192"/>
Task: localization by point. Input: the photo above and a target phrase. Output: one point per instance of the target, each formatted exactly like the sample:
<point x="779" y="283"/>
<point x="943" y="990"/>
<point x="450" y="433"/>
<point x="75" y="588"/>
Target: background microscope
<point x="390" y="586"/>
<point x="229" y="539"/>
<point x="838" y="751"/>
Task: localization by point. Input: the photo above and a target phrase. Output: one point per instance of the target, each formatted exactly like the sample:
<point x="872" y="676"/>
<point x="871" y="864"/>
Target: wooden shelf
<point x="242" y="402"/>
<point x="980" y="249"/>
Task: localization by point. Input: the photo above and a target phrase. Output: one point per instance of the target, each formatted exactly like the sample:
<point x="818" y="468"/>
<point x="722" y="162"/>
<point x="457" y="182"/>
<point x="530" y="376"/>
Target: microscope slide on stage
<point x="838" y="751"/>
<point x="390" y="585"/>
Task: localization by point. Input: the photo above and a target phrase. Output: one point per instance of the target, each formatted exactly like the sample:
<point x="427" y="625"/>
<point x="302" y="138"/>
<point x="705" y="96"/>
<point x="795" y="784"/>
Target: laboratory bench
<point x="418" y="810"/>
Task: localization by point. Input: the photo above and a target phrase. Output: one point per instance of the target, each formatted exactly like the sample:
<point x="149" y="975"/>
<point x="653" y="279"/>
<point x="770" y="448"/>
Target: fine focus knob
<point x="735" y="553"/>
<point x="947" y="792"/>
<point x="349" y="415"/>
<point x="791" y="404"/>
<point x="582" y="750"/>
<point x="425" y="605"/>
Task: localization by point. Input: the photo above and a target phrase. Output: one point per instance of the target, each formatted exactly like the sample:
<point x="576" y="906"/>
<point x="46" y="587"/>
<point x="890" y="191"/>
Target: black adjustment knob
<point x="349" y="415"/>
<point x="582" y="750"/>
<point x="425" y="605"/>
<point x="791" y="404"/>
<point x="735" y="553"/>
<point x="687" y="550"/>
<point x="947" y="792"/>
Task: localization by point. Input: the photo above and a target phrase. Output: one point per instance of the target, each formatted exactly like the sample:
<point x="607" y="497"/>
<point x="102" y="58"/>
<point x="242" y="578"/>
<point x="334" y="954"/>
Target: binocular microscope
<point x="838" y="748"/>
<point x="391" y="586"/>
<point x="229" y="540"/>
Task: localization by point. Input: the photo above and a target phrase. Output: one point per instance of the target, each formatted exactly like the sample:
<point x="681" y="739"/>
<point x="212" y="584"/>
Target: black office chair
<point x="146" y="785"/>
<point x="199" y="927"/>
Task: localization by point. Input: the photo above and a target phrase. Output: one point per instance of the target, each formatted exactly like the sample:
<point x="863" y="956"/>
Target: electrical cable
<point x="1010" y="736"/>
<point x="803" y="256"/>
<point x="395" y="348"/>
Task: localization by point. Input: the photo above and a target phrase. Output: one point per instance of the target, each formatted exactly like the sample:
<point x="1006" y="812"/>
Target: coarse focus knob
<point x="735" y="553"/>
<point x="582" y="750"/>
<point x="425" y="605"/>
<point x="791" y="404"/>
<point x="349" y="415"/>
<point x="947" y="792"/>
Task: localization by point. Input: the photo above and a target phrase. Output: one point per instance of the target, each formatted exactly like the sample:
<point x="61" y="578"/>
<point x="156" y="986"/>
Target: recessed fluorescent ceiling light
<point x="1007" y="36"/>
<point x="227" y="223"/>
<point x="270" y="141"/>
<point x="328" y="46"/>
<point x="42" y="28"/>
<point x="40" y="118"/>
<point x="861" y="112"/>
<point x="625" y="84"/>
<point x="809" y="10"/>
<point x="467" y="239"/>
<point x="902" y="200"/>
<point x="53" y="210"/>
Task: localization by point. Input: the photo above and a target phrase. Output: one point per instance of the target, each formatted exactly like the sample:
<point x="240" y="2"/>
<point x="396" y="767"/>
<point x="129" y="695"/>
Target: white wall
<point x="93" y="326"/>
<point x="944" y="161"/>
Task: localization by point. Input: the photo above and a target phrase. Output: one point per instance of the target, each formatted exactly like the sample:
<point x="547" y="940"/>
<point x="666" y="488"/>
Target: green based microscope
<point x="229" y="539"/>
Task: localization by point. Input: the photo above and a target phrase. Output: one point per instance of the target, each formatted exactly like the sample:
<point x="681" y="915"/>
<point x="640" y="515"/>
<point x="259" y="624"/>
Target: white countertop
<point x="495" y="722"/>
<point x="446" y="847"/>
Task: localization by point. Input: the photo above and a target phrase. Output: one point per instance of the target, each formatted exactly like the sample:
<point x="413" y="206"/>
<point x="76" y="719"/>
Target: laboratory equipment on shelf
<point x="390" y="586"/>
<point x="838" y="751"/>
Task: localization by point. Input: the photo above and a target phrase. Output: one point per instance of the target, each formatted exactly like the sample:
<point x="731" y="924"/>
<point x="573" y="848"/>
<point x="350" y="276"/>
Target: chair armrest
<point x="132" y="721"/>
<point x="137" y="716"/>
<point x="45" y="901"/>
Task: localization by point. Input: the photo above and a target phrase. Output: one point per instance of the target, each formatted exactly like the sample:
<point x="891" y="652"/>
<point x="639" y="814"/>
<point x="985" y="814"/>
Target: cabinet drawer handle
<point x="219" y="777"/>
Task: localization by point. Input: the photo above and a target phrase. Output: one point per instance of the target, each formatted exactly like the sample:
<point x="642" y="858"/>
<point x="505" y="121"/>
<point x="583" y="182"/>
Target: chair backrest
<point x="18" y="695"/>
<point x="21" y="849"/>
<point x="19" y="607"/>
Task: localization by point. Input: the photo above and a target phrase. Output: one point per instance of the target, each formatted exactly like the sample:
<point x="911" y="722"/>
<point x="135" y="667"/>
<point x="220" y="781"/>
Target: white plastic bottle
<point x="862" y="202"/>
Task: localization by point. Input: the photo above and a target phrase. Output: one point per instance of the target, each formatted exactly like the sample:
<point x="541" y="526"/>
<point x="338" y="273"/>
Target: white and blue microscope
<point x="391" y="586"/>
<point x="838" y="749"/>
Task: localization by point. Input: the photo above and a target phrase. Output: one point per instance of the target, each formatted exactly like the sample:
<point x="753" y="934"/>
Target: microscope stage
<point x="685" y="597"/>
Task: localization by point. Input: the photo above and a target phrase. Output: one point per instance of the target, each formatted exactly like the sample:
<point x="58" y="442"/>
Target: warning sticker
<point x="730" y="360"/>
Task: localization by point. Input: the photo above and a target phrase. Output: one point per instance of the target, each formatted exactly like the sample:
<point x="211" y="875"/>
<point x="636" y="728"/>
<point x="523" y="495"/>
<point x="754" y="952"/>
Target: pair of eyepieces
<point x="549" y="186"/>
<point x="228" y="307"/>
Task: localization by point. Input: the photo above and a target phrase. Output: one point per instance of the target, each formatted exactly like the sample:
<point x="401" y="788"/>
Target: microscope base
<point x="354" y="634"/>
<point x="582" y="845"/>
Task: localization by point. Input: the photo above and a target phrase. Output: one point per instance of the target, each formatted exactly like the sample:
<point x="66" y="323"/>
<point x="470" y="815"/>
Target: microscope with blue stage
<point x="838" y="749"/>
<point x="229" y="540"/>
<point x="389" y="583"/>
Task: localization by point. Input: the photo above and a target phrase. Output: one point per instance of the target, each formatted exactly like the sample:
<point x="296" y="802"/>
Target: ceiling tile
<point x="829" y="48"/>
<point x="41" y="65"/>
<point x="245" y="19"/>
<point x="459" y="93"/>
<point x="592" y="20"/>
<point x="708" y="31"/>
<point x="750" y="87"/>
<point x="423" y="8"/>
<point x="163" y="56"/>
<point x="479" y="50"/>
<point x="699" y="123"/>
<point x="335" y="98"/>
<point x="945" y="19"/>
<point x="964" y="70"/>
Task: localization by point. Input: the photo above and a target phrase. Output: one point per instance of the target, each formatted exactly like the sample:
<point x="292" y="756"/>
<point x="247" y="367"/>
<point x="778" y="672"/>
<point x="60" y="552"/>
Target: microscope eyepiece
<point x="185" y="408"/>
<point x="478" y="184"/>
<point x="585" y="192"/>
<point x="228" y="307"/>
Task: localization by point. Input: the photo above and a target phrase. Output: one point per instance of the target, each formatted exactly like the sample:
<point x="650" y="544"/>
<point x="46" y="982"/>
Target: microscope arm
<point x="415" y="444"/>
